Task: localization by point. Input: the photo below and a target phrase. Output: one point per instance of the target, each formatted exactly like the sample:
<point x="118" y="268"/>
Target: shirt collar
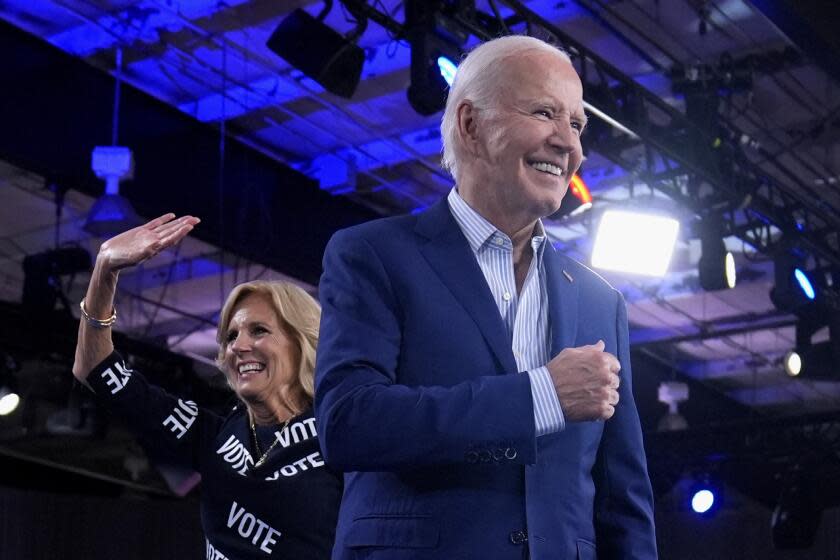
<point x="479" y="232"/>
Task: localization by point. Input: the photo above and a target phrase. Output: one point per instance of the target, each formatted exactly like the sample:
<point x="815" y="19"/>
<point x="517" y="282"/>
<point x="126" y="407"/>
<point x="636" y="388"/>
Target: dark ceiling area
<point x="724" y="114"/>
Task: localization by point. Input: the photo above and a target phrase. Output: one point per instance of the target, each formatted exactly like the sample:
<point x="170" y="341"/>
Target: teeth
<point x="548" y="168"/>
<point x="244" y="368"/>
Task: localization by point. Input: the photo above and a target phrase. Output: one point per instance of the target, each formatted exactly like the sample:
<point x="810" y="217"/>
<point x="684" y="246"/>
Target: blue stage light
<point x="804" y="283"/>
<point x="447" y="69"/>
<point x="702" y="501"/>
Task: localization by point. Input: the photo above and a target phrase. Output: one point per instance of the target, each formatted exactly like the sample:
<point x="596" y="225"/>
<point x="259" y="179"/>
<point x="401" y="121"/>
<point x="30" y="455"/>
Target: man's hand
<point x="586" y="380"/>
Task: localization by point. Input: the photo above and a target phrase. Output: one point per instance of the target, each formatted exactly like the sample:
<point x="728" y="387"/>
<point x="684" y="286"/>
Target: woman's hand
<point x="137" y="245"/>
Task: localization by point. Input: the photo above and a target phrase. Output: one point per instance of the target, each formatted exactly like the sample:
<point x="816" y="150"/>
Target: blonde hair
<point x="298" y="314"/>
<point x="477" y="80"/>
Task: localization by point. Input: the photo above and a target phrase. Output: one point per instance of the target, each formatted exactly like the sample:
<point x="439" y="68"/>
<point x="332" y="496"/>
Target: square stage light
<point x="635" y="243"/>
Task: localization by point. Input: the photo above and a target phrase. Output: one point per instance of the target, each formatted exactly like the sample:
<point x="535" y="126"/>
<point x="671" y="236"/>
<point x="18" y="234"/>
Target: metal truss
<point x="706" y="171"/>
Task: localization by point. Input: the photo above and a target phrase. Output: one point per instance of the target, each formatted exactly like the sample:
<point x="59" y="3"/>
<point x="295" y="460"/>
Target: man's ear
<point x="467" y="125"/>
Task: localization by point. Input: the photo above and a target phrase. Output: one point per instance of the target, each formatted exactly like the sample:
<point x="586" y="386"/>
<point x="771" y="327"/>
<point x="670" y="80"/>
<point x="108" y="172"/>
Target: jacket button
<point x="485" y="456"/>
<point x="471" y="457"/>
<point x="510" y="453"/>
<point x="518" y="537"/>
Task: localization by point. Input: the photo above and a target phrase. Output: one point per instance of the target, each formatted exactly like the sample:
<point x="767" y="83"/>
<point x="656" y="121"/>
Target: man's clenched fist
<point x="586" y="380"/>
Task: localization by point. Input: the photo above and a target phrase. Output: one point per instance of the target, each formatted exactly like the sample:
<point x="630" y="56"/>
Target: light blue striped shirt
<point x="525" y="314"/>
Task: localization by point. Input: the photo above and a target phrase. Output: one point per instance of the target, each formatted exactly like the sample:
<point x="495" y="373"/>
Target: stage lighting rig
<point x="815" y="360"/>
<point x="717" y="265"/>
<point x="436" y="48"/>
<point x="635" y="242"/>
<point x="333" y="60"/>
<point x="706" y="497"/>
<point x="794" y="288"/>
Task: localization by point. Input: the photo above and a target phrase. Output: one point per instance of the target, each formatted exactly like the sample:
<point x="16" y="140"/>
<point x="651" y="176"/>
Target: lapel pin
<point x="568" y="276"/>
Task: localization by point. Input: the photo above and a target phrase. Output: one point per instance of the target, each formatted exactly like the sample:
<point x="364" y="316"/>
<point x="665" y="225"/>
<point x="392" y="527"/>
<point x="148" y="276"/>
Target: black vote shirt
<point x="286" y="508"/>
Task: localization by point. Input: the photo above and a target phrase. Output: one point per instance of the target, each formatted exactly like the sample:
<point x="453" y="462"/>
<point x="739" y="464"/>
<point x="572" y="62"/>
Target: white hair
<point x="477" y="81"/>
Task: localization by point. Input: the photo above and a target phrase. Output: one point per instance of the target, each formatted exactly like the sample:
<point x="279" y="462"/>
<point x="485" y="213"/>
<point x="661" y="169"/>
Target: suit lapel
<point x="451" y="257"/>
<point x="562" y="301"/>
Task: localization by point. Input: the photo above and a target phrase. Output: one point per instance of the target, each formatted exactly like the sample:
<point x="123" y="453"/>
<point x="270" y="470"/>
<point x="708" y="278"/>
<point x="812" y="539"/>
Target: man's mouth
<point x="548" y="167"/>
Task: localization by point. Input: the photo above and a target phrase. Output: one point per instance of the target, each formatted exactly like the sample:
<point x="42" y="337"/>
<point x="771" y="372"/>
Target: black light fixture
<point x="794" y="288"/>
<point x="331" y="59"/>
<point x="112" y="213"/>
<point x="9" y="395"/>
<point x="717" y="265"/>
<point x="820" y="360"/>
<point x="436" y="48"/>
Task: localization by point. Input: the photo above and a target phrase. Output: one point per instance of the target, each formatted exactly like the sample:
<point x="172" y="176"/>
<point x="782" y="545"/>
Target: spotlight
<point x="816" y="361"/>
<point x="9" y="400"/>
<point x="702" y="500"/>
<point x="705" y="497"/>
<point x="635" y="243"/>
<point x="793" y="363"/>
<point x="447" y="69"/>
<point x="111" y="213"/>
<point x="320" y="52"/>
<point x="717" y="265"/>
<point x="804" y="283"/>
<point x="435" y="49"/>
<point x="794" y="288"/>
<point x="9" y="396"/>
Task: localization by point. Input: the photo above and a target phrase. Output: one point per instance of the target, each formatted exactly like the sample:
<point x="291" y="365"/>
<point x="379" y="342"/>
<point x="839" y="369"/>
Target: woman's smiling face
<point x="260" y="358"/>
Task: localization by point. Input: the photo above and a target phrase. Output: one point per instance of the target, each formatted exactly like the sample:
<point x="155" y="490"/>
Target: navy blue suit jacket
<point x="418" y="398"/>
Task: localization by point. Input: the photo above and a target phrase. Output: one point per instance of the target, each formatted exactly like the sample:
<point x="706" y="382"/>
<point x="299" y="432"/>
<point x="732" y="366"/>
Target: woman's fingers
<point x="165" y="228"/>
<point x="173" y="237"/>
<point x="160" y="220"/>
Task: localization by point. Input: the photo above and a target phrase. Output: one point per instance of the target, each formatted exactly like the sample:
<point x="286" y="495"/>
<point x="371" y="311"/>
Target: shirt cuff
<point x="548" y="416"/>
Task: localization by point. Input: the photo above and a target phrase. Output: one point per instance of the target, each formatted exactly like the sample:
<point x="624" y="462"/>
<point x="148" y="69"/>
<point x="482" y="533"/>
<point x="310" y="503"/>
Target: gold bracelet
<point x="98" y="323"/>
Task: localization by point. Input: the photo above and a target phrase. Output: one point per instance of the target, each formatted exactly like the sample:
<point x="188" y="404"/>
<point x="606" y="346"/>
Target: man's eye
<point x="577" y="125"/>
<point x="543" y="113"/>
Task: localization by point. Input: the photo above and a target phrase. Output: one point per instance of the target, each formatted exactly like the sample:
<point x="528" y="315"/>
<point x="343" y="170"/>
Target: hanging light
<point x="331" y="59"/>
<point x="112" y="213"/>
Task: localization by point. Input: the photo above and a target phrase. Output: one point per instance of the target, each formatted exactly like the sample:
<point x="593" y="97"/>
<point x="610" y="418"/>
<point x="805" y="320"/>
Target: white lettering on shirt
<point x="252" y="528"/>
<point x="212" y="553"/>
<point x="297" y="432"/>
<point x="311" y="461"/>
<point x="186" y="413"/>
<point x="235" y="454"/>
<point x="116" y="380"/>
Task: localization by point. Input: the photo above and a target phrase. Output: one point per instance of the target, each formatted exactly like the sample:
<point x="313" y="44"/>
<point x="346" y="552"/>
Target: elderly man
<point x="467" y="378"/>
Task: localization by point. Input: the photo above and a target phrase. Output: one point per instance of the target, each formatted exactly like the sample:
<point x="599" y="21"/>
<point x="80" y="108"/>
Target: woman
<point x="266" y="492"/>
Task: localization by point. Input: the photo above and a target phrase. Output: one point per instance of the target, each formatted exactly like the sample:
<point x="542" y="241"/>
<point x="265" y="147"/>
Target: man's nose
<point x="564" y="137"/>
